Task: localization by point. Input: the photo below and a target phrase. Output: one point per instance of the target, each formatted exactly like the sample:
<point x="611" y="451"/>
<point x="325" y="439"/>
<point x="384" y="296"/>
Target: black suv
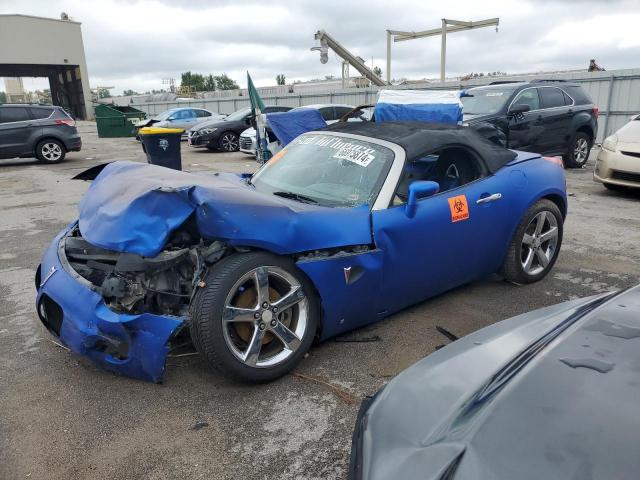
<point x="46" y="132"/>
<point x="547" y="117"/>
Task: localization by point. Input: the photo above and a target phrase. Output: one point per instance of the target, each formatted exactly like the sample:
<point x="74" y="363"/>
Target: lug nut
<point x="256" y="315"/>
<point x="274" y="309"/>
<point x="265" y="305"/>
<point x="262" y="326"/>
<point x="273" y="323"/>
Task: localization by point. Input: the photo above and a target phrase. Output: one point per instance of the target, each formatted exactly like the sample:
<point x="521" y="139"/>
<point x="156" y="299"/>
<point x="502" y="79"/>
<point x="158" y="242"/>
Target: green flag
<point x="256" y="101"/>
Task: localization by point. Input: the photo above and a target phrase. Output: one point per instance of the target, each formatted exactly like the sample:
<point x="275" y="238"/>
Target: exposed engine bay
<point x="131" y="283"/>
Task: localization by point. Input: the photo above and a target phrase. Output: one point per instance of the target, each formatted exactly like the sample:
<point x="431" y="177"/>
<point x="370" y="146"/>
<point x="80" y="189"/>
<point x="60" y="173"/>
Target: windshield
<point x="328" y="170"/>
<point x="485" y="101"/>
<point x="163" y="116"/>
<point x="238" y="115"/>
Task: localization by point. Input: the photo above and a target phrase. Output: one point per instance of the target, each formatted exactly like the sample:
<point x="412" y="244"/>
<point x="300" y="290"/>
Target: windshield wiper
<point x="295" y="196"/>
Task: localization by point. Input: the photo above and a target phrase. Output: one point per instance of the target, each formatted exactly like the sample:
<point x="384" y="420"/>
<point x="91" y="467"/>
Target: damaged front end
<point x="123" y="310"/>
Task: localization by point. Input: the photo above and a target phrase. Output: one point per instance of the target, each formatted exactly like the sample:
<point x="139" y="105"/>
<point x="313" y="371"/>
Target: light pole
<point x="448" y="26"/>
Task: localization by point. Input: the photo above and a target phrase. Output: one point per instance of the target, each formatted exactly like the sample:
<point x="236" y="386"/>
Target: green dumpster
<point x="117" y="121"/>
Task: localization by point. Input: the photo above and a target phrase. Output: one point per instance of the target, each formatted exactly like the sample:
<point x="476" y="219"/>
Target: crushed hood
<point x="548" y="394"/>
<point x="134" y="207"/>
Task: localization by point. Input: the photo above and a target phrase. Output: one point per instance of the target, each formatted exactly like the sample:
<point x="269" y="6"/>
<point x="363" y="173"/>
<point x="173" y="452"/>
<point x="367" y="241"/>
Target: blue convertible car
<point x="342" y="228"/>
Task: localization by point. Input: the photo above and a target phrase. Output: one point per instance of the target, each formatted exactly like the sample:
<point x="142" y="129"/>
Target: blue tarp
<point x="288" y="125"/>
<point x="419" y="105"/>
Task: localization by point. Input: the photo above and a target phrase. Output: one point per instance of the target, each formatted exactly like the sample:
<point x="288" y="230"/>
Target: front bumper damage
<point x="71" y="308"/>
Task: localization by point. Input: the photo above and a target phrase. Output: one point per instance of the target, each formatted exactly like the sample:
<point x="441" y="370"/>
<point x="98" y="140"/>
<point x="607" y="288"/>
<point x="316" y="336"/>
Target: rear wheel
<point x="229" y="142"/>
<point x="578" y="151"/>
<point x="535" y="245"/>
<point x="256" y="317"/>
<point x="50" y="151"/>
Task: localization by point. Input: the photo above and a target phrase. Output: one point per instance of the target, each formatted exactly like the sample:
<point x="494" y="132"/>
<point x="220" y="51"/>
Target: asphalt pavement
<point x="63" y="417"/>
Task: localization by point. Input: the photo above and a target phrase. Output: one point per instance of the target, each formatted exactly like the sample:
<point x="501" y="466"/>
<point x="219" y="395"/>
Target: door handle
<point x="490" y="198"/>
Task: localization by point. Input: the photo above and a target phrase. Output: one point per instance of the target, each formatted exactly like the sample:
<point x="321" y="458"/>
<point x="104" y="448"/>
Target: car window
<point x="330" y="170"/>
<point x="528" y="97"/>
<point x="579" y="95"/>
<point x="14" y="114"/>
<point x="203" y="113"/>
<point x="341" y="111"/>
<point x="551" y="97"/>
<point x="239" y="115"/>
<point x="327" y="113"/>
<point x="39" y="113"/>
<point x="485" y="101"/>
<point x="567" y="99"/>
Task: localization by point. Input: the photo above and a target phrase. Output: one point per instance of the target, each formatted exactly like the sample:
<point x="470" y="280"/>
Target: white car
<point x="618" y="163"/>
<point x="330" y="112"/>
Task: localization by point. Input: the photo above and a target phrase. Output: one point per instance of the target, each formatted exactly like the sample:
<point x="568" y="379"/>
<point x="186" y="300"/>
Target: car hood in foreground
<point x="550" y="394"/>
<point x="134" y="207"/>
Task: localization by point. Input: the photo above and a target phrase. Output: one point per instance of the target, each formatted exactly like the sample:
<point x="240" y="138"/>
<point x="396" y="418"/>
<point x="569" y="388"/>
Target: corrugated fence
<point x="616" y="92"/>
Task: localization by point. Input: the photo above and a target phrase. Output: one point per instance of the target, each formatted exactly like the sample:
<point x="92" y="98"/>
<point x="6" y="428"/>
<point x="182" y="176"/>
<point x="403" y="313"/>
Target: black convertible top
<point x="419" y="138"/>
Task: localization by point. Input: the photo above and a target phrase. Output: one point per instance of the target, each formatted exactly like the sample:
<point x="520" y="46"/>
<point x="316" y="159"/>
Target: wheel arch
<point x="587" y="130"/>
<point x="49" y="137"/>
<point x="558" y="200"/>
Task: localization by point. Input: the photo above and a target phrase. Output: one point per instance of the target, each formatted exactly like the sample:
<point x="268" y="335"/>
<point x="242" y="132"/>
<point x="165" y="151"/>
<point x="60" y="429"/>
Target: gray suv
<point x="46" y="132"/>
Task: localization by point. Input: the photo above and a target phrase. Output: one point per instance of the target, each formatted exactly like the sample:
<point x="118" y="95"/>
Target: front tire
<point x="50" y="151"/>
<point x="535" y="245"/>
<point x="578" y="151"/>
<point x="256" y="317"/>
<point x="229" y="142"/>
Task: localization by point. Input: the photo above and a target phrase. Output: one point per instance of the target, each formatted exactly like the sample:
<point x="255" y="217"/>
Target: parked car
<point x="224" y="134"/>
<point x="618" y="163"/>
<point x="342" y="228"/>
<point x="184" y="118"/>
<point x="547" y="117"/>
<point x="330" y="112"/>
<point x="45" y="132"/>
<point x="549" y="394"/>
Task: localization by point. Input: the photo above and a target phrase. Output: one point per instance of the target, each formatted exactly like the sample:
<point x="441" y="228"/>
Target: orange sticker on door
<point x="459" y="208"/>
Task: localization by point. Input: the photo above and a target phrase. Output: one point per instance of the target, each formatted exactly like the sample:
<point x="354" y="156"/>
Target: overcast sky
<point x="134" y="44"/>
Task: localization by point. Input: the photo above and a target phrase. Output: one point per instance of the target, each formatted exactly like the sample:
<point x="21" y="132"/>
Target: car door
<point x="556" y="120"/>
<point x="184" y="118"/>
<point x="201" y="116"/>
<point x="455" y="237"/>
<point x="525" y="129"/>
<point x="15" y="131"/>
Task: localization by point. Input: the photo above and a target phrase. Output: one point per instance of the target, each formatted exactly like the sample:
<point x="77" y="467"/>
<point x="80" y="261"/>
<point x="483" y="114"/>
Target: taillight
<point x="556" y="160"/>
<point x="66" y="121"/>
<point x="596" y="111"/>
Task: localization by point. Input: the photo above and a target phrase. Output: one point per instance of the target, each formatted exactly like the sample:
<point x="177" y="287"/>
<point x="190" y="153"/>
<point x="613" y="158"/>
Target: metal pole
<point x="608" y="112"/>
<point x="388" y="57"/>
<point x="443" y="49"/>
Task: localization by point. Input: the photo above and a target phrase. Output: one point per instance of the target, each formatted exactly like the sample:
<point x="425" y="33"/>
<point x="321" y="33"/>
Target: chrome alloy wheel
<point x="265" y="317"/>
<point x="229" y="142"/>
<point x="580" y="150"/>
<point x="539" y="243"/>
<point x="51" y="151"/>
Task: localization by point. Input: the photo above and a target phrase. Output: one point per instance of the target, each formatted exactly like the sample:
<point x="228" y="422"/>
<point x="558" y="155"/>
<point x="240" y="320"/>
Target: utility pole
<point x="448" y="26"/>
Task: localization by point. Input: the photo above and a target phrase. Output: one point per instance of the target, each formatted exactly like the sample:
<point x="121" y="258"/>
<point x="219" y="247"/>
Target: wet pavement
<point x="62" y="417"/>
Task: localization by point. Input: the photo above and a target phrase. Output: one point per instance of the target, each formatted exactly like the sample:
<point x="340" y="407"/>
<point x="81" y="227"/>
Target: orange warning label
<point x="459" y="208"/>
<point x="273" y="160"/>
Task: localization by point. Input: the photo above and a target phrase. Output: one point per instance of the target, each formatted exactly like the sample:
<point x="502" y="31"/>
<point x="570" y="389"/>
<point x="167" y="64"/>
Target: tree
<point x="3" y="97"/>
<point x="195" y="80"/>
<point x="280" y="80"/>
<point x="128" y="93"/>
<point x="378" y="71"/>
<point x="104" y="93"/>
<point x="223" y="82"/>
<point x="209" y="83"/>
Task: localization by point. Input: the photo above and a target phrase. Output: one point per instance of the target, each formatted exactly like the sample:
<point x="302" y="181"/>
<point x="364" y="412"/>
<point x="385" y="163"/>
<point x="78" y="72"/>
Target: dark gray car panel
<point x="549" y="394"/>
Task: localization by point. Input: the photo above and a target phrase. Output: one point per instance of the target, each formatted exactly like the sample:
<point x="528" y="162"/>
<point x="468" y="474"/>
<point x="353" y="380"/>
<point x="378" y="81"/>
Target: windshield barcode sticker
<point x="358" y="154"/>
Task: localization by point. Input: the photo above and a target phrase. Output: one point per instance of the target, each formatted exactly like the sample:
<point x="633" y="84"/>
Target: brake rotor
<point x="248" y="299"/>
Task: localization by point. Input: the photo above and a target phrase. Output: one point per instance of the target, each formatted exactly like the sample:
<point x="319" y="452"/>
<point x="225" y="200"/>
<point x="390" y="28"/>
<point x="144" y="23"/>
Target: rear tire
<point x="237" y="334"/>
<point x="579" y="150"/>
<point x="50" y="151"/>
<point x="535" y="245"/>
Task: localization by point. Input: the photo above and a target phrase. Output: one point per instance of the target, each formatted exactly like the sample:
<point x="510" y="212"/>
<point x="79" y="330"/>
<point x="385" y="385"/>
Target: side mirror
<point x="417" y="190"/>
<point x="519" y="109"/>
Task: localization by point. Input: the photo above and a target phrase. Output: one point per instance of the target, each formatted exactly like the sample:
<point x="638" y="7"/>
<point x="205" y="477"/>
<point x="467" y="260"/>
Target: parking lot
<point x="63" y="417"/>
